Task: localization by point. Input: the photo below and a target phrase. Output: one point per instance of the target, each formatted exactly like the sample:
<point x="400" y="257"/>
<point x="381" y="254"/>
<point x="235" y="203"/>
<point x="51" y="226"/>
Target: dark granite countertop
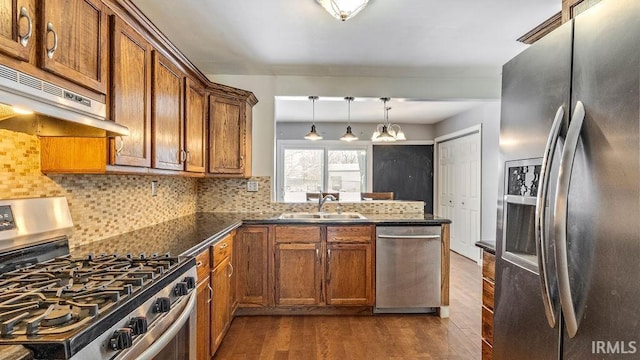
<point x="188" y="235"/>
<point x="487" y="246"/>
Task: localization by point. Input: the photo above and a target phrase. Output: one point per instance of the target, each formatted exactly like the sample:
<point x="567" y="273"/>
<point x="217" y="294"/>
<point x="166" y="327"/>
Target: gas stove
<point x="95" y="307"/>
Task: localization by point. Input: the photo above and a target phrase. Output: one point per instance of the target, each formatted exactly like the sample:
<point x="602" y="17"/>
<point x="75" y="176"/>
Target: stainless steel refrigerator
<point x="568" y="232"/>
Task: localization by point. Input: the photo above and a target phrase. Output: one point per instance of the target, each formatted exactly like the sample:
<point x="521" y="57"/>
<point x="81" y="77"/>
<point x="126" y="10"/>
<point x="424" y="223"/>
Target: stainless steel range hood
<point x="57" y="111"/>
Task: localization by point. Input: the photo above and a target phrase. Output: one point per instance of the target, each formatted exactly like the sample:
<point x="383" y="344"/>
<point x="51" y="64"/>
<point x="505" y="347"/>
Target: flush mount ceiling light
<point x="387" y="132"/>
<point x="313" y="134"/>
<point x="343" y="9"/>
<point x="348" y="136"/>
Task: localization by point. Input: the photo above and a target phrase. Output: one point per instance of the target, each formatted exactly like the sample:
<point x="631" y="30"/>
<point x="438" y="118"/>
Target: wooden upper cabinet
<point x="17" y="28"/>
<point x="195" y="125"/>
<point x="130" y="95"/>
<point x="74" y="41"/>
<point x="229" y="137"/>
<point x="167" y="118"/>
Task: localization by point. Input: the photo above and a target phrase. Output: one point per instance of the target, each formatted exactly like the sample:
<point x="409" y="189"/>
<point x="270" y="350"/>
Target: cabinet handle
<point x="53" y="49"/>
<point x="188" y="156"/>
<point x="120" y="147"/>
<point x="24" y="39"/>
<point x="231" y="269"/>
<point x="199" y="264"/>
<point x="329" y="255"/>
<point x="241" y="161"/>
<point x="318" y="254"/>
<point x="224" y="246"/>
<point x="210" y="293"/>
<point x="183" y="156"/>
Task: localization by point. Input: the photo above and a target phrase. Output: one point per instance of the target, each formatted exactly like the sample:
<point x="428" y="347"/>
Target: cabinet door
<point x="220" y="305"/>
<point x="17" y="26"/>
<point x="74" y="41"/>
<point x="252" y="254"/>
<point x="130" y="95"/>
<point x="204" y="297"/>
<point x="196" y="111"/>
<point x="168" y="123"/>
<point x="298" y="274"/>
<point x="349" y="274"/>
<point x="226" y="136"/>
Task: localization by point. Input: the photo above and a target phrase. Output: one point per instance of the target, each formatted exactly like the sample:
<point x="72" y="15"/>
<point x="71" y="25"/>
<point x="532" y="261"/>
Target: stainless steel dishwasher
<point x="408" y="267"/>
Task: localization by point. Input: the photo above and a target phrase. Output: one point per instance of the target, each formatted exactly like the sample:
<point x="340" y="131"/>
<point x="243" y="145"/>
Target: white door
<point x="460" y="186"/>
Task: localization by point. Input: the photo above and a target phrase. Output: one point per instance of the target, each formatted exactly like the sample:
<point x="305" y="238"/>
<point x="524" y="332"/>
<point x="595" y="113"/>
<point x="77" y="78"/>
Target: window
<point x="303" y="168"/>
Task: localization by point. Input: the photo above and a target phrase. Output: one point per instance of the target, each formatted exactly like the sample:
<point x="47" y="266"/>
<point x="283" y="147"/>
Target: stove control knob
<point x="138" y="325"/>
<point x="191" y="282"/>
<point x="181" y="289"/>
<point x="162" y="305"/>
<point x="121" y="339"/>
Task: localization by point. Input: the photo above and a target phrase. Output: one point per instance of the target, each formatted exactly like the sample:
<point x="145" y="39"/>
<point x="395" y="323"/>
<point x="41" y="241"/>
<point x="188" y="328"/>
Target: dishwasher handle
<point x="382" y="236"/>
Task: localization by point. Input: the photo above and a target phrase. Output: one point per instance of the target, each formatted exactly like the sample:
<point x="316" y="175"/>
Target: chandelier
<point x="343" y="9"/>
<point x="387" y="132"/>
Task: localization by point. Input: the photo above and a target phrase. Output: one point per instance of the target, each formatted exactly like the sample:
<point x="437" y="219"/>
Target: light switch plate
<point x="252" y="186"/>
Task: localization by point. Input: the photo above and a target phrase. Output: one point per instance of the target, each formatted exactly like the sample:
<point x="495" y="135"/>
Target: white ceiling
<point x="389" y="38"/>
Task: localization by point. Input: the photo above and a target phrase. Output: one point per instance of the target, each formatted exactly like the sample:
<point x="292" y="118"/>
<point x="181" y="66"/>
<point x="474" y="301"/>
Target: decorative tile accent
<point x="230" y="195"/>
<point x="101" y="205"/>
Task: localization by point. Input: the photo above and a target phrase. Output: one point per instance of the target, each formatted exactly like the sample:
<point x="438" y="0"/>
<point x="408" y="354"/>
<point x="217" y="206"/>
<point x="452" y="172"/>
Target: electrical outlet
<point x="252" y="186"/>
<point x="154" y="188"/>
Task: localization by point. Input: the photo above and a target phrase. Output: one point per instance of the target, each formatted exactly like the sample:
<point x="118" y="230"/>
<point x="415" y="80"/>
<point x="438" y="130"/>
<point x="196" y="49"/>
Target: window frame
<point x="326" y="146"/>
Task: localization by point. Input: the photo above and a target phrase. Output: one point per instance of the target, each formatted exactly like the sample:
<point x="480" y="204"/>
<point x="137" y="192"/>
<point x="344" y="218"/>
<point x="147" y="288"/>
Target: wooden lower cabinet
<point x="298" y="274"/>
<point x="488" y="285"/>
<point x="220" y="304"/>
<point x="349" y="274"/>
<point x="251" y="250"/>
<point x="203" y="343"/>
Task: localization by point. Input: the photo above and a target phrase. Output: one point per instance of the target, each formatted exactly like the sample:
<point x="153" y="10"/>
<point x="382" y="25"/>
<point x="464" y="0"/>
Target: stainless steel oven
<point x="105" y="306"/>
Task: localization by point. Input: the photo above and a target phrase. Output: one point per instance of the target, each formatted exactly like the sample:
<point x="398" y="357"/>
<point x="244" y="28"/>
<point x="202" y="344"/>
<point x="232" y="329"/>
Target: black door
<point x="407" y="170"/>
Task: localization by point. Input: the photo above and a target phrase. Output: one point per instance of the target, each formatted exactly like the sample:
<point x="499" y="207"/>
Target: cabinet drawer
<point x="222" y="249"/>
<point x="487" y="325"/>
<point x="487" y="293"/>
<point x="298" y="234"/>
<point x="349" y="234"/>
<point x="203" y="264"/>
<point x="489" y="266"/>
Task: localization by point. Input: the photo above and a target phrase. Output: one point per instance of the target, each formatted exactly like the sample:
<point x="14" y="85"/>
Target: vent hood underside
<point x="58" y="111"/>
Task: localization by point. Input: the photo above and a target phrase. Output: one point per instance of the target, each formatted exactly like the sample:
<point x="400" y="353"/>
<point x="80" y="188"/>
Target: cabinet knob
<point x="24" y="14"/>
<point x="52" y="50"/>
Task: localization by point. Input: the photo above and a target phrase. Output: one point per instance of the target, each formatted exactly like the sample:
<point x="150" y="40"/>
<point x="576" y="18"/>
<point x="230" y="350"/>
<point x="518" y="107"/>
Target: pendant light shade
<point x="343" y="9"/>
<point x="313" y="134"/>
<point x="349" y="136"/>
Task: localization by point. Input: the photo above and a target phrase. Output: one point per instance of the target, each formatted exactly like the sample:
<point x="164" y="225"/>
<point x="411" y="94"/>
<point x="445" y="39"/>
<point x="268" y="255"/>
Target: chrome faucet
<point x="322" y="200"/>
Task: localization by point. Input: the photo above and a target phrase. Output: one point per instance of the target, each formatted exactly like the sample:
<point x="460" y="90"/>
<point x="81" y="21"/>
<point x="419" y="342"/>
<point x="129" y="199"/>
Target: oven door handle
<point x="171" y="332"/>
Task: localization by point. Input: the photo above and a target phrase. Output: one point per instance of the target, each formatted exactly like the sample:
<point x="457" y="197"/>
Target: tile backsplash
<point x="101" y="205"/>
<point x="231" y="195"/>
<point x="107" y="205"/>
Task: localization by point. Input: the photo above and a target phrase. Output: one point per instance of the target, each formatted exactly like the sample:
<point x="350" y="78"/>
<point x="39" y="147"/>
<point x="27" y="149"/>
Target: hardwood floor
<point x="367" y="337"/>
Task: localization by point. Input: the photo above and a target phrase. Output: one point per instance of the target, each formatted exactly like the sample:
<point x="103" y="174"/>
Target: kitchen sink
<point x="322" y="216"/>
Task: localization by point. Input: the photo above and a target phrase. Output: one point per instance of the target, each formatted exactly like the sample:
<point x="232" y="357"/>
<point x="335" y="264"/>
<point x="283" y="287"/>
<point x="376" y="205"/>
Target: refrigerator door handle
<point x="560" y="225"/>
<point x="540" y="225"/>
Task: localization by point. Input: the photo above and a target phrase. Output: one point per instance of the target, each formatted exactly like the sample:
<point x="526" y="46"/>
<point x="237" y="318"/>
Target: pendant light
<point x="343" y="9"/>
<point x="348" y="136"/>
<point x="313" y="134"/>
